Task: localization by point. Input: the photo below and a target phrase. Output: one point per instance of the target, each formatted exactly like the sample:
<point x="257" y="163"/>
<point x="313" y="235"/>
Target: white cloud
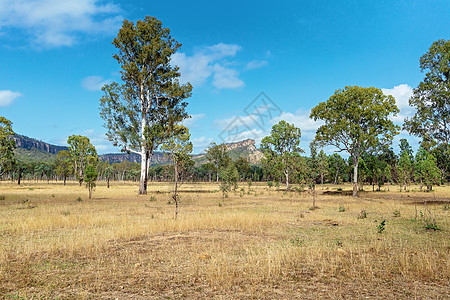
<point x="226" y="78"/>
<point x="94" y="83"/>
<point x="209" y="62"/>
<point x="54" y="23"/>
<point x="301" y="120"/>
<point x="194" y="118"/>
<point x="7" y="97"/>
<point x="401" y="93"/>
<point x="256" y="64"/>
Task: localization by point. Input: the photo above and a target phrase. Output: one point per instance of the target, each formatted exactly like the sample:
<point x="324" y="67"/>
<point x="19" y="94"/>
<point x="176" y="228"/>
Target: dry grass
<point x="262" y="244"/>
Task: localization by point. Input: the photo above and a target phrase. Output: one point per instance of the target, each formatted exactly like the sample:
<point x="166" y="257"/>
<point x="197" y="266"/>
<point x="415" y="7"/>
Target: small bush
<point x="220" y="204"/>
<point x="380" y="228"/>
<point x="152" y="198"/>
<point x="2" y="197"/>
<point x="339" y="243"/>
<point x="446" y="205"/>
<point x="341" y="209"/>
<point x="339" y="189"/>
<point x="396" y="213"/>
<point x="79" y="199"/>
<point x="362" y="214"/>
<point x="297" y="242"/>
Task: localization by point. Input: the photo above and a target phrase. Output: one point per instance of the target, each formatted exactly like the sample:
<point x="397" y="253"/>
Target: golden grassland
<point x="57" y="244"/>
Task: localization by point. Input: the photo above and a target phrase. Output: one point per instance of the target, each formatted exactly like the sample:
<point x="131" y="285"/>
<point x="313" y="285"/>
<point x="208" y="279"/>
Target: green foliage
<point x="2" y="197"/>
<point x="138" y="113"/>
<point x="152" y="198"/>
<point x="90" y="177"/>
<point x="7" y="146"/>
<point x="63" y="164"/>
<point x="79" y="199"/>
<point x="229" y="178"/>
<point x="431" y="121"/>
<point x="381" y="226"/>
<point x="356" y="119"/>
<point x="426" y="170"/>
<point x="396" y="213"/>
<point x="281" y="150"/>
<point x="341" y="209"/>
<point x="218" y="157"/>
<point x="82" y="153"/>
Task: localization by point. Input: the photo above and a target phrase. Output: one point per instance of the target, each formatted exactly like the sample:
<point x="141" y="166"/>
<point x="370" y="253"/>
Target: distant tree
<point x="90" y="177"/>
<point x="431" y="98"/>
<point x="356" y="119"/>
<point x="322" y="165"/>
<point x="336" y="165"/>
<point x="427" y="171"/>
<point x="229" y="178"/>
<point x="218" y="157"/>
<point x="7" y="146"/>
<point x="179" y="147"/>
<point x="281" y="148"/>
<point x="82" y="152"/>
<point x="63" y="164"/>
<point x="313" y="168"/>
<point x="243" y="166"/>
<point x="442" y="154"/>
<point x="137" y="112"/>
<point x="405" y="163"/>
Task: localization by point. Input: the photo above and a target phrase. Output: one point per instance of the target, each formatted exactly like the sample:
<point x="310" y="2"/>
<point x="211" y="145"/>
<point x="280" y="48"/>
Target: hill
<point x="33" y="150"/>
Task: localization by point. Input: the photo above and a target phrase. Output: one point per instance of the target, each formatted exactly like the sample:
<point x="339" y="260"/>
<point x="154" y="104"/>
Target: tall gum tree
<point x="356" y="119"/>
<point x="7" y="145"/>
<point x="137" y="112"/>
<point x="281" y="148"/>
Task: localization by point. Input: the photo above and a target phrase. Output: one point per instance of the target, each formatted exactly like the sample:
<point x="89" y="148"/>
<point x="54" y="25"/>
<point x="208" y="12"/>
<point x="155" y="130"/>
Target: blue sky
<point x="55" y="55"/>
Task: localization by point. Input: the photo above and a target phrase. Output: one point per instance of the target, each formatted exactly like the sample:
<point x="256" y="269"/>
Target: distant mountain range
<point x="30" y="149"/>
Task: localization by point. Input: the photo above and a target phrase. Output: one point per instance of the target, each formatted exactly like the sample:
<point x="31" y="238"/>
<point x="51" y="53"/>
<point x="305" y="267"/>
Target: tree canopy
<point x="150" y="97"/>
<point x="356" y="119"/>
<point x="7" y="145"/>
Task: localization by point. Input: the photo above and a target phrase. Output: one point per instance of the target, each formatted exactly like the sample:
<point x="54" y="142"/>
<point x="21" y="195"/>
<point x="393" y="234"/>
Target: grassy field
<point x="57" y="244"/>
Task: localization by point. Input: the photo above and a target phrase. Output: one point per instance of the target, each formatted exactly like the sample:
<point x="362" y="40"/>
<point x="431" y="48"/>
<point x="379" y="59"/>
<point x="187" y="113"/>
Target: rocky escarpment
<point x="27" y="143"/>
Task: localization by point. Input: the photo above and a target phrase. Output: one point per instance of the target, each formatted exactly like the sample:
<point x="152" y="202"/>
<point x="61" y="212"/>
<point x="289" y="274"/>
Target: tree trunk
<point x="286" y="173"/>
<point x="355" y="178"/>
<point x="107" y="181"/>
<point x="90" y="190"/>
<point x="143" y="179"/>
<point x="321" y="180"/>
<point x="175" y="196"/>
<point x="19" y="176"/>
<point x="64" y="180"/>
<point x="314" y="196"/>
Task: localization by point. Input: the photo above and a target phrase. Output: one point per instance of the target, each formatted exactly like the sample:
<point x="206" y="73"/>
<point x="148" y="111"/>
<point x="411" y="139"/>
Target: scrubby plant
<point x="362" y="214"/>
<point x="341" y="209"/>
<point x="381" y="227"/>
<point x="396" y="213"/>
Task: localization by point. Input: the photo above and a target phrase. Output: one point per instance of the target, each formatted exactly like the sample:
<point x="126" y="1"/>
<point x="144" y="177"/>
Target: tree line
<point x="145" y="112"/>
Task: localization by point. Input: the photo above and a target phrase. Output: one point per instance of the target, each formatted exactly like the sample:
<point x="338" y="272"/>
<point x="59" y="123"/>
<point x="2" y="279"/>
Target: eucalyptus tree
<point x="405" y="164"/>
<point x="178" y="147"/>
<point x="217" y="155"/>
<point x="427" y="171"/>
<point x="7" y="145"/>
<point x="63" y="164"/>
<point x="281" y="148"/>
<point x="313" y="166"/>
<point x="431" y="98"/>
<point x="356" y="119"/>
<point x="82" y="153"/>
<point x="136" y="113"/>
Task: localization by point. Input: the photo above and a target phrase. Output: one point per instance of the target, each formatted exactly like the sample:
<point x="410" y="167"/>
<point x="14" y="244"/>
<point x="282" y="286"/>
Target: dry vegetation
<point x="257" y="244"/>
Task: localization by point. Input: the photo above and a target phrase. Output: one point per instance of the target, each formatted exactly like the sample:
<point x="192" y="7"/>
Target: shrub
<point x="362" y="214"/>
<point x="79" y="199"/>
<point x="152" y="198"/>
<point x="2" y="197"/>
<point x="396" y="213"/>
<point x="341" y="209"/>
<point x="380" y="228"/>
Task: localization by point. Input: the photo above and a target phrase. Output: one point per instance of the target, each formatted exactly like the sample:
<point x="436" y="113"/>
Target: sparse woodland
<point x="362" y="222"/>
